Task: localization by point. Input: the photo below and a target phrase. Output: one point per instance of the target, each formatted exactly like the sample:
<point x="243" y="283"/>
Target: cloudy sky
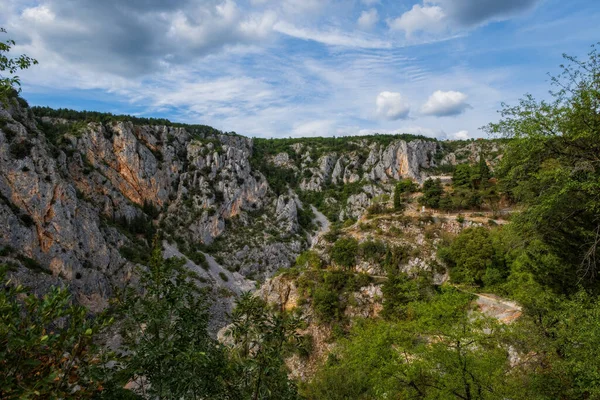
<point x="281" y="68"/>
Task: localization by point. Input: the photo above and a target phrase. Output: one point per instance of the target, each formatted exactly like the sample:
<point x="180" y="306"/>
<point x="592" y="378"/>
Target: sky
<point x="298" y="68"/>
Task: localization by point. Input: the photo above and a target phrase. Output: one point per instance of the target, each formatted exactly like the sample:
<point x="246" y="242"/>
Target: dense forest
<point x="428" y="343"/>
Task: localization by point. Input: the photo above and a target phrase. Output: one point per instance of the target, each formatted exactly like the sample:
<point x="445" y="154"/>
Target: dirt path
<point x="503" y="310"/>
<point x="482" y="216"/>
<point x="323" y="224"/>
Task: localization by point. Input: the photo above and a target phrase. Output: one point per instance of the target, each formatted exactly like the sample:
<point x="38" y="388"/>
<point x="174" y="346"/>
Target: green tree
<point x="482" y="173"/>
<point x="432" y="193"/>
<point x="473" y="258"/>
<point x="47" y="347"/>
<point x="309" y="259"/>
<point x="561" y="343"/>
<point x="10" y="66"/>
<point x="402" y="189"/>
<point x="170" y="354"/>
<point x="326" y="303"/>
<point x="447" y="351"/>
<point x="461" y="178"/>
<point x="401" y="292"/>
<point x="260" y="338"/>
<point x="552" y="165"/>
<point x="344" y="252"/>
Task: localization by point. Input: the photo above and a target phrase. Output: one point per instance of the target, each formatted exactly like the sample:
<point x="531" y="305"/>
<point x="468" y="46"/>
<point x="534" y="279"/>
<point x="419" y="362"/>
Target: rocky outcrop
<point x="401" y="160"/>
<point x="73" y="195"/>
<point x="286" y="213"/>
<point x="398" y="160"/>
<point x="51" y="229"/>
<point x="471" y="152"/>
<point x="280" y="292"/>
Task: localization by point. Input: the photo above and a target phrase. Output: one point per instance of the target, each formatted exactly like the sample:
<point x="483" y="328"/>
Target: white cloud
<point x="442" y="16"/>
<point x="441" y="104"/>
<point x="132" y="39"/>
<point x="420" y="18"/>
<point x="332" y="37"/>
<point x="314" y="128"/>
<point x="392" y="106"/>
<point x="461" y="135"/>
<point x="368" y="19"/>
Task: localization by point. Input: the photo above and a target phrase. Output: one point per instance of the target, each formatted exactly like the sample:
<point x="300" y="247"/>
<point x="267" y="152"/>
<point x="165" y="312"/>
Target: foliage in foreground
<point x="9" y="81"/>
<point x="51" y="347"/>
<point x="47" y="347"/>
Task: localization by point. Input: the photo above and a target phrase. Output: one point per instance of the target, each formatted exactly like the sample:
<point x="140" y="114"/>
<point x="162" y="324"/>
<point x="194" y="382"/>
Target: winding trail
<point x="503" y="310"/>
<point x="323" y="224"/>
<point x="493" y="306"/>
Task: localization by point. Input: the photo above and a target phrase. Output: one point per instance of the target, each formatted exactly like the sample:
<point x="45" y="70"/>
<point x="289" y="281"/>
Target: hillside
<point x="82" y="196"/>
<point x="356" y="267"/>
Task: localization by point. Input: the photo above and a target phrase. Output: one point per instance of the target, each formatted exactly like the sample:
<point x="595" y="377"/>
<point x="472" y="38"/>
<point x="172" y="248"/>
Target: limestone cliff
<point x="80" y="200"/>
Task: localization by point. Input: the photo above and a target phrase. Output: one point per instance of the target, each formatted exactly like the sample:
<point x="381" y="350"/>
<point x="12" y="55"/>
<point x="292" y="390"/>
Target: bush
<point x="403" y="188"/>
<point x="373" y="251"/>
<point x="199" y="259"/>
<point x="223" y="277"/>
<point x="344" y="252"/>
<point x="432" y="193"/>
<point x="326" y="304"/>
<point x="471" y="255"/>
<point x="309" y="259"/>
<point x="38" y="347"/>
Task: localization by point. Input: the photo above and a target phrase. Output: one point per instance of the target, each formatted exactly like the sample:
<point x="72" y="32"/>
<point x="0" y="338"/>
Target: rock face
<point x="286" y="211"/>
<point x="47" y="225"/>
<point x="73" y="195"/>
<point x="401" y="160"/>
<point x="398" y="160"/>
<point x="280" y="292"/>
<point x="470" y="152"/>
<point x="79" y="202"/>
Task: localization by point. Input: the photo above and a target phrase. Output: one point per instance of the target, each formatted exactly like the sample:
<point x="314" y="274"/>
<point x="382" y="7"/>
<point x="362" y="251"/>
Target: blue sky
<point x="289" y="68"/>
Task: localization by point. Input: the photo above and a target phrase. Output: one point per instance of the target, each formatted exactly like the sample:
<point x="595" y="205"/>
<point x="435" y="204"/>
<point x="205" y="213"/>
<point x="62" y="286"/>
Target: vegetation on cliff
<point x="375" y="286"/>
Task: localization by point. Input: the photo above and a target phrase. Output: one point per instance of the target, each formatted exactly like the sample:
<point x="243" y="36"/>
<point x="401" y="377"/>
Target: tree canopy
<point x="9" y="67"/>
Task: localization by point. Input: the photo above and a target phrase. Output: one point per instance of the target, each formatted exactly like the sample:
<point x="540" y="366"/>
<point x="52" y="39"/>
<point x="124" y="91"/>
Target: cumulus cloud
<point x="434" y="16"/>
<point x="368" y="19"/>
<point x="392" y="106"/>
<point x="443" y="104"/>
<point x="419" y="18"/>
<point x="461" y="135"/>
<point x="136" y="37"/>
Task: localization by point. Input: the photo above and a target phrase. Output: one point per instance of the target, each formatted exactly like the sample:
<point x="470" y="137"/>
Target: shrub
<point x="309" y="259"/>
<point x="344" y="252"/>
<point x="373" y="251"/>
<point x="326" y="304"/>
